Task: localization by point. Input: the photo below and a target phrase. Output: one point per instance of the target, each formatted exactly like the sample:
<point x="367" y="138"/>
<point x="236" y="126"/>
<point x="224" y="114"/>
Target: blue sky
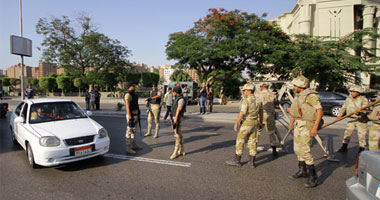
<point x="141" y="25"/>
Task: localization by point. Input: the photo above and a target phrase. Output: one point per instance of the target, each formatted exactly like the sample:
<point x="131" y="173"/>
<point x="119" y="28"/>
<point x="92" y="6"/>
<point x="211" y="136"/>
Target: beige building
<point x="15" y="71"/>
<point x="44" y="69"/>
<point x="193" y="74"/>
<point x="335" y="19"/>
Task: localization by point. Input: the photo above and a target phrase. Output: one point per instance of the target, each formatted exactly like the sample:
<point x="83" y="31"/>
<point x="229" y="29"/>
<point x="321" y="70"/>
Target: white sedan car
<point x="56" y="131"/>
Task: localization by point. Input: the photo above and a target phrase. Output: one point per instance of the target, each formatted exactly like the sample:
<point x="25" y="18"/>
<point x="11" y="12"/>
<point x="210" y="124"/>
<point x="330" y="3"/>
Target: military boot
<point x="175" y="152"/>
<point x="343" y="149"/>
<point x="313" y="179"/>
<point x="361" y="149"/>
<point x="274" y="151"/>
<point x="129" y="149"/>
<point x="235" y="161"/>
<point x="135" y="146"/>
<point x="301" y="170"/>
<point x="251" y="161"/>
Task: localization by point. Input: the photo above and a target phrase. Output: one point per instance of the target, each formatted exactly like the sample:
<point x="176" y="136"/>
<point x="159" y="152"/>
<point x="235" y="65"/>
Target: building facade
<point x="15" y="71"/>
<point x="335" y="19"/>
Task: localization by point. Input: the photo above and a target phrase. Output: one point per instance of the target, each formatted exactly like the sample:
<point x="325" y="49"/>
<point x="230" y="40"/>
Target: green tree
<point x="149" y="78"/>
<point x="64" y="83"/>
<point x="230" y="41"/>
<point x="32" y="81"/>
<point x="108" y="79"/>
<point x="180" y="76"/>
<point x="6" y="81"/>
<point x="48" y="84"/>
<point x="81" y="49"/>
<point x="78" y="83"/>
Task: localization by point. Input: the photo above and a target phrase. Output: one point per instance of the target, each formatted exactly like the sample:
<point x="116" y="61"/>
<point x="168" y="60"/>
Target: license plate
<point x="378" y="192"/>
<point x="82" y="151"/>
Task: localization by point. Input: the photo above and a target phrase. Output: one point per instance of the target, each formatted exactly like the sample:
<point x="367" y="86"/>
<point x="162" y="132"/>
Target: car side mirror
<point x="19" y="120"/>
<point x="89" y="113"/>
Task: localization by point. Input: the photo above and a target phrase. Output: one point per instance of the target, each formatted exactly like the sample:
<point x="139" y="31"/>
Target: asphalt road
<point x="201" y="174"/>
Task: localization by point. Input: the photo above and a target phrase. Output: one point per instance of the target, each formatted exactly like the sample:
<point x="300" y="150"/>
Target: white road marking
<point x="150" y="160"/>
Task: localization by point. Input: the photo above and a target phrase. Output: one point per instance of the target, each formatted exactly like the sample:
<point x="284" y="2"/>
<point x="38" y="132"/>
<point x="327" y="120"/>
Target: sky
<point x="141" y="25"/>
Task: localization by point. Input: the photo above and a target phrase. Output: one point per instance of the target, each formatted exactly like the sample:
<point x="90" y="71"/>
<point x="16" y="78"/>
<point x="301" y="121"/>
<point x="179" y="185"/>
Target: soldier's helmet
<point x="355" y="88"/>
<point x="264" y="84"/>
<point x="248" y="86"/>
<point x="301" y="82"/>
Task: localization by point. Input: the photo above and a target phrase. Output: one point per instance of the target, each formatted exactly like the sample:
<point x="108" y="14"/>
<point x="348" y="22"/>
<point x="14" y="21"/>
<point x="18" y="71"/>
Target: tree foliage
<point x="230" y="41"/>
<point x="32" y="81"/>
<point x="15" y="82"/>
<point x="6" y="81"/>
<point x="149" y="78"/>
<point x="64" y="83"/>
<point x="180" y="76"/>
<point x="80" y="49"/>
<point x="48" y="83"/>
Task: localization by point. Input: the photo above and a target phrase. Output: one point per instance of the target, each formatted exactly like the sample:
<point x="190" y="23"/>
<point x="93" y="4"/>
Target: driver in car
<point x="38" y="114"/>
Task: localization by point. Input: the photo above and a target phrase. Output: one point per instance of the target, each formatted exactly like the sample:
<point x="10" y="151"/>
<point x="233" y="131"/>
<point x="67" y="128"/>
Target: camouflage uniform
<point x="374" y="130"/>
<point x="355" y="121"/>
<point x="304" y="111"/>
<point x="267" y="99"/>
<point x="305" y="103"/>
<point x="154" y="113"/>
<point x="131" y="127"/>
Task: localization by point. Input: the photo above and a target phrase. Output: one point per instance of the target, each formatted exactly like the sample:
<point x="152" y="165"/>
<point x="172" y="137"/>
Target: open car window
<point x="54" y="111"/>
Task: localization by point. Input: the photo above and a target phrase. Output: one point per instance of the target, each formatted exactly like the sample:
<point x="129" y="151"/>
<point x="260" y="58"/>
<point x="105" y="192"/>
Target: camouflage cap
<point x="248" y="86"/>
<point x="264" y="84"/>
<point x="356" y="88"/>
<point x="301" y="82"/>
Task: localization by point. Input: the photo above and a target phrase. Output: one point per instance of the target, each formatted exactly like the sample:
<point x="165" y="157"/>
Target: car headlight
<point x="50" y="141"/>
<point x="102" y="133"/>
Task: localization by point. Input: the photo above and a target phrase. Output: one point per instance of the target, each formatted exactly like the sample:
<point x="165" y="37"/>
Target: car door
<point x="15" y="114"/>
<point x="21" y="127"/>
<point x="326" y="101"/>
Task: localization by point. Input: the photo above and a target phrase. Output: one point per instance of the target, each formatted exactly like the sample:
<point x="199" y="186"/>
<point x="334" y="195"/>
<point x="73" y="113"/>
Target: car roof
<point x="47" y="100"/>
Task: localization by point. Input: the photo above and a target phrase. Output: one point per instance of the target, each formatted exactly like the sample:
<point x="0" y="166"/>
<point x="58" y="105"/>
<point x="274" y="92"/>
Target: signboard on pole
<point x="21" y="46"/>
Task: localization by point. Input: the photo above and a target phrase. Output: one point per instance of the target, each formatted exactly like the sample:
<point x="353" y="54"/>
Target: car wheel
<point x="30" y="155"/>
<point x="334" y="111"/>
<point x="13" y="137"/>
<point x="285" y="106"/>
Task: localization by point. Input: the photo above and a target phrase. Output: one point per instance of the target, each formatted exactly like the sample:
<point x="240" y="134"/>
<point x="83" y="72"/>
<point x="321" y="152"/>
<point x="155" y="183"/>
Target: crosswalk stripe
<point x="149" y="160"/>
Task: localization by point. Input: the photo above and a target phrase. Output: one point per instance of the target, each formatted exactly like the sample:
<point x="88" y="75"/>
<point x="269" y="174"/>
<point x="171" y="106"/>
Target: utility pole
<point x="22" y="58"/>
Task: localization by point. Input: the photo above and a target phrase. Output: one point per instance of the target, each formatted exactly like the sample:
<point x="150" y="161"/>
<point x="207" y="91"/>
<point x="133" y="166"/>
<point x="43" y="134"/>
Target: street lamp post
<point x="22" y="58"/>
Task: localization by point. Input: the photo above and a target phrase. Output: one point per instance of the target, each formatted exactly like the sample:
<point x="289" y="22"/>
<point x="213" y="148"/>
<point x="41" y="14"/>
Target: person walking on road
<point x="185" y="94"/>
<point x="307" y="113"/>
<point x="177" y="110"/>
<point x="92" y="100"/>
<point x="87" y="99"/>
<point x="251" y="114"/>
<point x="97" y="98"/>
<point x="131" y="100"/>
<point x="203" y="99"/>
<point x="154" y="109"/>
<point x="374" y="130"/>
<point x="267" y="98"/>
<point x="210" y="99"/>
<point x="359" y="120"/>
<point x="168" y="100"/>
<point x="29" y="92"/>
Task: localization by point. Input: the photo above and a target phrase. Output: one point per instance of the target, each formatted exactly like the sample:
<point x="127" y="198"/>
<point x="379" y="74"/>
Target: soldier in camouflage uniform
<point x="154" y="111"/>
<point x="251" y="114"/>
<point x="306" y="111"/>
<point x="374" y="130"/>
<point x="267" y="99"/>
<point x="178" y="109"/>
<point x="132" y="110"/>
<point x="354" y="102"/>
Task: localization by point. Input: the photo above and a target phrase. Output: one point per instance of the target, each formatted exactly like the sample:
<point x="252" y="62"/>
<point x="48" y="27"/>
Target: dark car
<point x="331" y="102"/>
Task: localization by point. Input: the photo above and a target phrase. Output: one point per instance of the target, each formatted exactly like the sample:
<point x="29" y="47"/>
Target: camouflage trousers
<point x="270" y="127"/>
<point x="302" y="142"/>
<point x="362" y="132"/>
<point x="374" y="136"/>
<point x="247" y="130"/>
<point x="154" y="114"/>
<point x="131" y="131"/>
<point x="178" y="134"/>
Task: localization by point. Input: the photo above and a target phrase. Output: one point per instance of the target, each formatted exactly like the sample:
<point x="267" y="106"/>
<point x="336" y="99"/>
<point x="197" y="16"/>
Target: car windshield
<point x="46" y="112"/>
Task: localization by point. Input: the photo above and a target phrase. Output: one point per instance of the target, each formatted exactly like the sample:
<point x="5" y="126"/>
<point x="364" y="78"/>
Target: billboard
<point x="21" y="46"/>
